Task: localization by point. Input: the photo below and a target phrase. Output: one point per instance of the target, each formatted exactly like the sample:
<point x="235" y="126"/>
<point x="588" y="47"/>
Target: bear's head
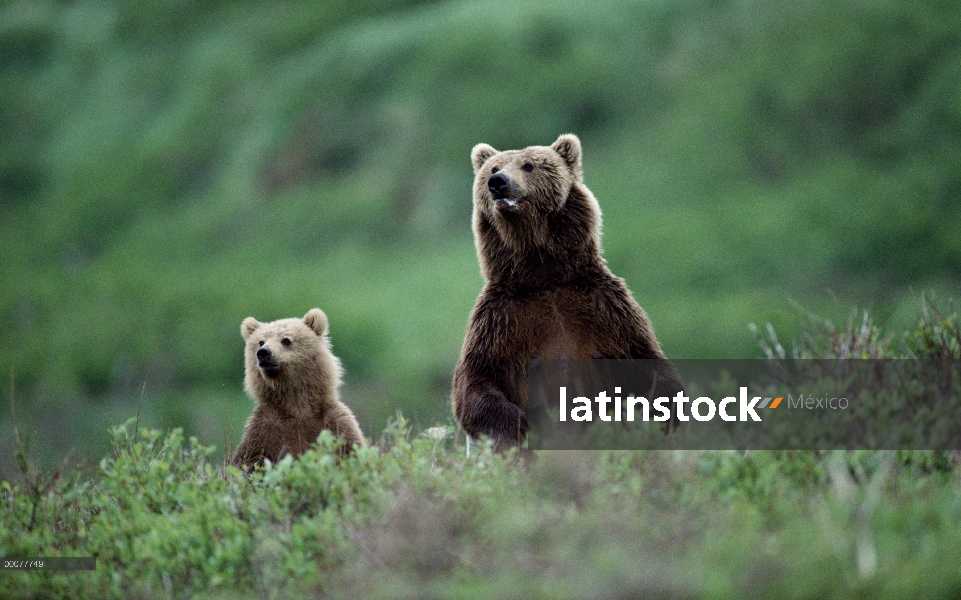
<point x="532" y="198"/>
<point x="289" y="353"/>
<point x="537" y="178"/>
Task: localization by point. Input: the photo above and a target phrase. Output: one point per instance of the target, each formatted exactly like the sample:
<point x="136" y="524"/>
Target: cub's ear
<point x="249" y="325"/>
<point x="316" y="320"/>
<point x="480" y="154"/>
<point x="569" y="147"/>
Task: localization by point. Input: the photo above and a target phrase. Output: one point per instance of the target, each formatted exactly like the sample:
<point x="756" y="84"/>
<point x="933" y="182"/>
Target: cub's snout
<point x="268" y="363"/>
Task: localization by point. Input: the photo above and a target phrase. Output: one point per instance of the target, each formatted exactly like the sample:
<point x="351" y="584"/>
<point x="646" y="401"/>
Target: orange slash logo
<point x="772" y="404"/>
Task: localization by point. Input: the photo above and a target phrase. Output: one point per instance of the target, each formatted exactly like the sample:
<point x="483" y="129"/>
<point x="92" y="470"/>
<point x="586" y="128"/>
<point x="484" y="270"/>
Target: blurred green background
<point x="168" y="168"/>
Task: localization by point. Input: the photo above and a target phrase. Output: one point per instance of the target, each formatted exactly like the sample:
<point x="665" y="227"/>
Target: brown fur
<point x="295" y="387"/>
<point x="548" y="291"/>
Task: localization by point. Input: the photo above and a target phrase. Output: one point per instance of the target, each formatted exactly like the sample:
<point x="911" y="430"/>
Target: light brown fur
<point x="548" y="292"/>
<point x="295" y="383"/>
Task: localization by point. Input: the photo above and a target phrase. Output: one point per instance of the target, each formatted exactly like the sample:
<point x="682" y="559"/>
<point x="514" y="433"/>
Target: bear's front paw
<point x="493" y="415"/>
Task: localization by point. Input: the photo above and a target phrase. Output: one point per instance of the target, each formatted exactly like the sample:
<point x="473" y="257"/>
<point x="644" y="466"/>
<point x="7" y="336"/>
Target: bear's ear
<point x="480" y="154"/>
<point x="316" y="320"/>
<point x="249" y="325"/>
<point x="569" y="147"/>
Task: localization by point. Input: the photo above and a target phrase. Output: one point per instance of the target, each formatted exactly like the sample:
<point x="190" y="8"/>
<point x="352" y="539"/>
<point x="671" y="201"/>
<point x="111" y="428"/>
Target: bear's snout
<point x="268" y="363"/>
<point x="499" y="185"/>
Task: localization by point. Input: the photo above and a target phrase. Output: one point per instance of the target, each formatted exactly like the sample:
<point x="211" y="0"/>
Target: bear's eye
<point x="285" y="341"/>
<point x="260" y="343"/>
<point x="528" y="166"/>
<point x="494" y="170"/>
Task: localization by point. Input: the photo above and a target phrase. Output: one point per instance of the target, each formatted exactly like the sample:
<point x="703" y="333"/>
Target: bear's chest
<point x="560" y="330"/>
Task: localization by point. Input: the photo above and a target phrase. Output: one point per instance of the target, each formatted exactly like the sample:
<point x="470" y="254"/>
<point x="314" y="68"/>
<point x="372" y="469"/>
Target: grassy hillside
<point x="169" y="168"/>
<point x="413" y="515"/>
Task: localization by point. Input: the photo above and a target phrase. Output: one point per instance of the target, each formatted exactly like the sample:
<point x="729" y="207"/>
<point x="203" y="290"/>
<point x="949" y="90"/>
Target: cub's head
<point x="517" y="191"/>
<point x="288" y="349"/>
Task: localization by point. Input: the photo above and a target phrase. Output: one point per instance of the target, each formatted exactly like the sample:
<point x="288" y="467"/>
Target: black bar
<point x="786" y="404"/>
<point x="49" y="563"/>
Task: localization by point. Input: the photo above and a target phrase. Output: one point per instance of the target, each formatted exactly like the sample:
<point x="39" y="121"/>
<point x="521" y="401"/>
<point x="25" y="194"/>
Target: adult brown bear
<point x="548" y="292"/>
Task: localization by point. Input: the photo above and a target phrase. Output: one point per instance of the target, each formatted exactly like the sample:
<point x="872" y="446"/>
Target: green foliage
<point x="936" y="336"/>
<point x="419" y="515"/>
<point x="415" y="515"/>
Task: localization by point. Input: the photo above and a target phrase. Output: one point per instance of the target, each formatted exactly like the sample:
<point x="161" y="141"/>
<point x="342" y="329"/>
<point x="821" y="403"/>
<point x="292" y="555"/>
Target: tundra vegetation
<point x="413" y="515"/>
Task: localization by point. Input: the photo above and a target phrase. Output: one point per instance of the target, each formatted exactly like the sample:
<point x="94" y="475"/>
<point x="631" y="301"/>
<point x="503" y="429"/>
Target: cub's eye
<point x="260" y="343"/>
<point x="285" y="342"/>
<point x="528" y="166"/>
<point x="494" y="170"/>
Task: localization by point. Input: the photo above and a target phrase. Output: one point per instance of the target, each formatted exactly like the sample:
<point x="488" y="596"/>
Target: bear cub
<point x="548" y="292"/>
<point x="293" y="377"/>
